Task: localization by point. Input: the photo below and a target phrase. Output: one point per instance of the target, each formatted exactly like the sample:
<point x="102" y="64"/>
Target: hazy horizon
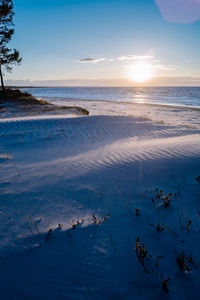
<point x="156" y="82"/>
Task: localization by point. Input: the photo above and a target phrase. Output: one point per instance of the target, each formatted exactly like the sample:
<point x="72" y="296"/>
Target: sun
<point x="140" y="72"/>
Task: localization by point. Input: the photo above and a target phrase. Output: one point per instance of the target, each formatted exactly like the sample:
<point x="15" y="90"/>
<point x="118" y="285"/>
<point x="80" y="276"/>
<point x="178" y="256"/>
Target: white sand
<point x="167" y="114"/>
<point x="61" y="170"/>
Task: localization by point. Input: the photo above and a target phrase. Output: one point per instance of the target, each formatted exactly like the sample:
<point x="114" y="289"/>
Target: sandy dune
<point x="51" y="147"/>
<point x="68" y="170"/>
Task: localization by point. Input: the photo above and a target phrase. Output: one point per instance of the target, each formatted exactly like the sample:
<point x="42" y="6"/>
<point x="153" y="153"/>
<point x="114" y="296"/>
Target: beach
<point x="99" y="150"/>
<point x="77" y="192"/>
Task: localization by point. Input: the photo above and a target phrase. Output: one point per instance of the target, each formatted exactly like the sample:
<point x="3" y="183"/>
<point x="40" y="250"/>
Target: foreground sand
<point x="75" y="195"/>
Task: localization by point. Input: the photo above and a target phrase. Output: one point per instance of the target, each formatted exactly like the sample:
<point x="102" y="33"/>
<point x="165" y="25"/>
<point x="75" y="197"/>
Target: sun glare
<point x="140" y="72"/>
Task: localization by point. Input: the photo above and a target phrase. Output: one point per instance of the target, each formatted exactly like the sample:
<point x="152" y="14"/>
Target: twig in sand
<point x="107" y="217"/>
<point x="182" y="261"/>
<point x="170" y="230"/>
<point x="70" y="239"/>
<point x="188" y="225"/>
<point x="164" y="285"/>
<point x="112" y="243"/>
<point x="29" y="224"/>
<point x="32" y="222"/>
<point x="198" y="179"/>
<point x="4" y="214"/>
<point x="122" y="198"/>
<point x="137" y="212"/>
<point x="35" y="225"/>
<point x="77" y="223"/>
<point x="94" y="218"/>
<point x="49" y="233"/>
<point x="16" y="169"/>
<point x="159" y="228"/>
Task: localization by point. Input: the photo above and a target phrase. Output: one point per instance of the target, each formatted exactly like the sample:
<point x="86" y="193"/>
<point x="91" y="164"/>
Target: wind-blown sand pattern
<point x="69" y="171"/>
<point x="82" y="144"/>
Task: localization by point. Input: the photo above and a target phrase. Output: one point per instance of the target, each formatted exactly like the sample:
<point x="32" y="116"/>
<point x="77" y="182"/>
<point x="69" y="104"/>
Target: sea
<point x="177" y="96"/>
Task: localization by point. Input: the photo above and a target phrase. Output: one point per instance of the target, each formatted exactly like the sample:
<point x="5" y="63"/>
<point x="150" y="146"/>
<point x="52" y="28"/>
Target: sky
<point x="107" y="42"/>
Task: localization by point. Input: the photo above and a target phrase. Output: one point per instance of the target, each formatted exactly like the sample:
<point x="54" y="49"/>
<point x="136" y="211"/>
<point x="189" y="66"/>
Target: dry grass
<point x="27" y="102"/>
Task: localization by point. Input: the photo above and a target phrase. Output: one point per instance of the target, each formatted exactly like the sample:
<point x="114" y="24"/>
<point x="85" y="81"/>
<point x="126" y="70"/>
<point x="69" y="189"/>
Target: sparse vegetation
<point x="163" y="198"/>
<point x="141" y="253"/>
<point x="183" y="262"/>
<point x="31" y="105"/>
<point x="15" y="95"/>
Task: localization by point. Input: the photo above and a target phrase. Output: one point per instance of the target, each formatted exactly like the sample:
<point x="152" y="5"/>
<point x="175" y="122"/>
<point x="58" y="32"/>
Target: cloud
<point x="135" y="57"/>
<point x="90" y="60"/>
<point x="162" y="67"/>
<point x="179" y="11"/>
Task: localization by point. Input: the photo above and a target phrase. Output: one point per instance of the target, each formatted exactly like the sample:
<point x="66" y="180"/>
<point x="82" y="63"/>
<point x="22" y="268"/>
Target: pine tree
<point x="8" y="56"/>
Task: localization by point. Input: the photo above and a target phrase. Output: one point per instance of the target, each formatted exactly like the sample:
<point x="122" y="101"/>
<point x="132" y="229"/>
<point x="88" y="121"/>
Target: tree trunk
<point x="2" y="83"/>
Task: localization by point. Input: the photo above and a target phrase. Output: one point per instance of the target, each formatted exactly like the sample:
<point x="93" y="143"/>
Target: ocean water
<point x="178" y="96"/>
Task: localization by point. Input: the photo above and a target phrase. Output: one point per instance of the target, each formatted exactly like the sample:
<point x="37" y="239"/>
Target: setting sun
<point x="140" y="72"/>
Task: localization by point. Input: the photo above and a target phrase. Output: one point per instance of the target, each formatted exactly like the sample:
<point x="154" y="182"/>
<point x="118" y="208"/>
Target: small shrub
<point x="165" y="198"/>
<point x="183" y="262"/>
<point x="141" y="253"/>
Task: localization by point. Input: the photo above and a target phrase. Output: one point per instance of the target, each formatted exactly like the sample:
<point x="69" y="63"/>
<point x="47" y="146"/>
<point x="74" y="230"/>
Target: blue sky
<point x="56" y="38"/>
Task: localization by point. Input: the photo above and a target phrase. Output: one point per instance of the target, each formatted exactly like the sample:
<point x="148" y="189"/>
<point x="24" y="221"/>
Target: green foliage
<point x="8" y="56"/>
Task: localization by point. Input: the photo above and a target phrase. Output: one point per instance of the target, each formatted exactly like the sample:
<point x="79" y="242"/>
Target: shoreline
<point x="126" y="102"/>
<point x="169" y="115"/>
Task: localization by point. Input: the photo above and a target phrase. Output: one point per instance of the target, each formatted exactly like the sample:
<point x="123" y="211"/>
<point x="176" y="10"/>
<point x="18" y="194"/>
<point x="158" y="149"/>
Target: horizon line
<point x="106" y="86"/>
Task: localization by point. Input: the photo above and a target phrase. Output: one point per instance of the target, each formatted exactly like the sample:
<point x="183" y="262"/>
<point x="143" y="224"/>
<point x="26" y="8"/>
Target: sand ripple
<point x="74" y="146"/>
